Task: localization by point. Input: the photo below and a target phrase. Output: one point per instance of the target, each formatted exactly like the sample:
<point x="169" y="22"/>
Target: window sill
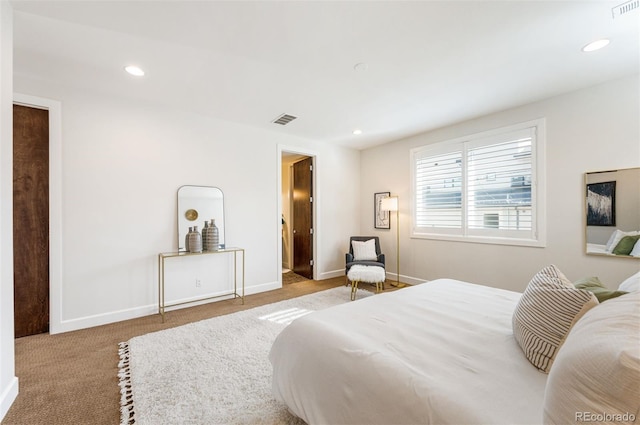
<point x="532" y="243"/>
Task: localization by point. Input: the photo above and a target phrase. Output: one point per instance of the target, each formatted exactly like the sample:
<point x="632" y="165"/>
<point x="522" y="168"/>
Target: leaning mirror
<point x="612" y="206"/>
<point x="197" y="204"/>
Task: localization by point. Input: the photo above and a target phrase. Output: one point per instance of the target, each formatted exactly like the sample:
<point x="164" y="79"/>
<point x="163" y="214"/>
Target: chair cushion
<point x="364" y="263"/>
<point x="368" y="274"/>
<point x="365" y="250"/>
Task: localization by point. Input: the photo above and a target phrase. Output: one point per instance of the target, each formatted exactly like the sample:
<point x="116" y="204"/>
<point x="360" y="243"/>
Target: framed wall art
<point x="601" y="204"/>
<point x="381" y="218"/>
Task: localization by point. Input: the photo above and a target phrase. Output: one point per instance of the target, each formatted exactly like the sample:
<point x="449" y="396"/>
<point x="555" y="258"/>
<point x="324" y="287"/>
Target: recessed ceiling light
<point x="595" y="45"/>
<point x="361" y="67"/>
<point x="357" y="131"/>
<point x="134" y="70"/>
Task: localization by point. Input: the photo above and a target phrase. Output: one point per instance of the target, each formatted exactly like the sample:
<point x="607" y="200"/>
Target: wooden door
<point x="31" y="220"/>
<point x="303" y="218"/>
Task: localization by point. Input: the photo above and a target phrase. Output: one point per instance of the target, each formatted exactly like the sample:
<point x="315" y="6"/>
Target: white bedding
<point x="595" y="248"/>
<point x="438" y="353"/>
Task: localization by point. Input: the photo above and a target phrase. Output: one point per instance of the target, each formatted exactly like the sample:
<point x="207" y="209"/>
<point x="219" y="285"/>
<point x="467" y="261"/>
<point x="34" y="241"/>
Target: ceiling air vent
<point x="625" y="7"/>
<point x="285" y="119"/>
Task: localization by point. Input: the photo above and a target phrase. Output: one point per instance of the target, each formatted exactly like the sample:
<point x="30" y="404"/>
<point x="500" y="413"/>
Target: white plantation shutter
<point x="499" y="176"/>
<point x="438" y="191"/>
<point x="482" y="187"/>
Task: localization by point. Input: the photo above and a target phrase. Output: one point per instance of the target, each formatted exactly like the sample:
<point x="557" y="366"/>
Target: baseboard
<point x="405" y="279"/>
<point x="8" y="396"/>
<point x="331" y="274"/>
<point x="102" y="319"/>
<point x="269" y="286"/>
<point x="134" y="313"/>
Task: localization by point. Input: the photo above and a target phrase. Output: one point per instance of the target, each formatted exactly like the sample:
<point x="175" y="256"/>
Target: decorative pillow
<point x="545" y="314"/>
<point x="615" y="238"/>
<point x="635" y="252"/>
<point x="593" y="285"/>
<point x="596" y="373"/>
<point x="625" y="246"/>
<point x="364" y="251"/>
<point x="631" y="284"/>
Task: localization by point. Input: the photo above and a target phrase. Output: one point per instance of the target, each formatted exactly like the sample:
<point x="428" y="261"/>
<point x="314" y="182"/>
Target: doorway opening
<point x="297" y="215"/>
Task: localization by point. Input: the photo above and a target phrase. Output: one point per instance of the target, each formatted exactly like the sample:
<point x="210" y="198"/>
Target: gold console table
<point x="164" y="255"/>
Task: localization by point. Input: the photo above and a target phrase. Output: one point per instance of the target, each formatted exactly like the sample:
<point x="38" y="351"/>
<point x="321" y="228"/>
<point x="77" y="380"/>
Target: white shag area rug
<point x="215" y="371"/>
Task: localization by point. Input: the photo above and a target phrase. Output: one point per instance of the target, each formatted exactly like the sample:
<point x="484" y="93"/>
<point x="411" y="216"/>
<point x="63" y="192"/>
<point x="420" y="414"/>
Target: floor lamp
<point x="391" y="204"/>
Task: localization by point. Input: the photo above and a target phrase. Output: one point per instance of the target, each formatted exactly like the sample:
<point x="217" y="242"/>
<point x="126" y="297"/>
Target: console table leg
<point x="243" y="254"/>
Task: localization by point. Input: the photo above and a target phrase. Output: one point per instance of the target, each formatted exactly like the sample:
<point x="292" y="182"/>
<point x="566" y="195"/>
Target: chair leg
<point x="354" y="289"/>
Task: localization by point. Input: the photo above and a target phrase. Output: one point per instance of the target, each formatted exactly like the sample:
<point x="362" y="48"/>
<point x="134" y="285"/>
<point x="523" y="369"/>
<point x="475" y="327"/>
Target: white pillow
<point x="614" y="236"/>
<point x="631" y="284"/>
<point x="635" y="252"/>
<point x="596" y="373"/>
<point x="364" y="251"/>
<point x="615" y="239"/>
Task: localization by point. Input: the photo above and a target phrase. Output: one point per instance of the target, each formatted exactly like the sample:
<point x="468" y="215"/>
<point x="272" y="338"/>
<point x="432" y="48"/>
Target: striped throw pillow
<point x="545" y="314"/>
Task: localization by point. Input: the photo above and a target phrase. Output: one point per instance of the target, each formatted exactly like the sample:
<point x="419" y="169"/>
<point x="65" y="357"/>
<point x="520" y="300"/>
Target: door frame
<point x="55" y="203"/>
<point x="314" y="206"/>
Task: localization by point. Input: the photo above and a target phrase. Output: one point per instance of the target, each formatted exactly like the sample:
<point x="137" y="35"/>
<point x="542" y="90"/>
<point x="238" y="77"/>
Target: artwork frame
<point x="601" y="204"/>
<point x="380" y="218"/>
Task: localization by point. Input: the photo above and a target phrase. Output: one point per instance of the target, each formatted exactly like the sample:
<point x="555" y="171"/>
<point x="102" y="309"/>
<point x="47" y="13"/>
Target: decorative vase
<point x="186" y="239"/>
<point x="215" y="235"/>
<point x="207" y="238"/>
<point x="195" y="240"/>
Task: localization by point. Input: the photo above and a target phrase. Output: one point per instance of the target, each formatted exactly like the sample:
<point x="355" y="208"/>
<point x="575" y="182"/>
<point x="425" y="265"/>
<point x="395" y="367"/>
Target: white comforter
<point x="438" y="353"/>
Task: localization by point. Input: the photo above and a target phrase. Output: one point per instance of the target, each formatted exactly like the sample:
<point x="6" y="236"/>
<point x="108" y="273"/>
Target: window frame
<point x="537" y="236"/>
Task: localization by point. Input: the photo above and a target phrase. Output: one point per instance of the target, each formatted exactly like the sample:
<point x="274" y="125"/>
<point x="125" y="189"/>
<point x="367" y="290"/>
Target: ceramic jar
<point x="195" y="240"/>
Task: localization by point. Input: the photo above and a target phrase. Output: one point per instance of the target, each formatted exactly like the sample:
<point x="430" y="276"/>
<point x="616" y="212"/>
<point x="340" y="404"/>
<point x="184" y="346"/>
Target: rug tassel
<point x="127" y="412"/>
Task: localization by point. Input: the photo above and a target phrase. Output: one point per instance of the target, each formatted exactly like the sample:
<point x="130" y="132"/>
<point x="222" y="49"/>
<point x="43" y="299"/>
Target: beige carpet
<point x="71" y="378"/>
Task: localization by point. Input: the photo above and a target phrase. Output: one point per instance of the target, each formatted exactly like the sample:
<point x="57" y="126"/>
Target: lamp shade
<point x="389" y="204"/>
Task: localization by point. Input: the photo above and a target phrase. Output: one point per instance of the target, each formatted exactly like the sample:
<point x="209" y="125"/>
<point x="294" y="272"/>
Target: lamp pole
<point x="398" y="284"/>
<point x="392" y="203"/>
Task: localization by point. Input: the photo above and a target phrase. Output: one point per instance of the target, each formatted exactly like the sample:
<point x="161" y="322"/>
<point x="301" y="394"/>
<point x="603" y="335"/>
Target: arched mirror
<point x="197" y="204"/>
<point x="612" y="207"/>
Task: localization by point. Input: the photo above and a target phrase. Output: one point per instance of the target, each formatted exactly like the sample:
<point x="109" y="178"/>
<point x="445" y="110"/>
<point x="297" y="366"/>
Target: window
<point x="487" y="187"/>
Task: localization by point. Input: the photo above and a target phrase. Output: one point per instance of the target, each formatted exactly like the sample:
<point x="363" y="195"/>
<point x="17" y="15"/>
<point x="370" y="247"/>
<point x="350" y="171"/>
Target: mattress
<point x="442" y="352"/>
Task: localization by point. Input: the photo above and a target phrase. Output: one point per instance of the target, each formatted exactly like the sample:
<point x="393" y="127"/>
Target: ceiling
<point x="425" y="64"/>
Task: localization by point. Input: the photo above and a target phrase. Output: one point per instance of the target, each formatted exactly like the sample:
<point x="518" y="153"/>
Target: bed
<point x="407" y="366"/>
<point x="442" y="352"/>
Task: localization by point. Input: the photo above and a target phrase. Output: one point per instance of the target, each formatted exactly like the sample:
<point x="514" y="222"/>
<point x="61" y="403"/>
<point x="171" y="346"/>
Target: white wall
<point x="588" y="130"/>
<point x="123" y="162"/>
<point x="8" y="380"/>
